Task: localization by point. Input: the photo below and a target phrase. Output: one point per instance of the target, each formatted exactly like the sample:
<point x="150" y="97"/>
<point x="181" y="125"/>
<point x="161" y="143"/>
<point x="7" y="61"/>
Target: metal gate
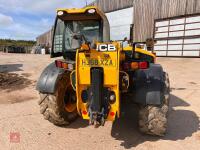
<point x="178" y="36"/>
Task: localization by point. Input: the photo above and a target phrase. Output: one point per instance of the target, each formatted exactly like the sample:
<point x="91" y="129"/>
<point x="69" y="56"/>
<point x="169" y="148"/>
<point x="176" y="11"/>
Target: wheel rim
<point x="70" y="100"/>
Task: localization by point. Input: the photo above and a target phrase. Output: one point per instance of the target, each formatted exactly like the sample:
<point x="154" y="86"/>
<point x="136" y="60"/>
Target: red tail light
<point x="58" y="63"/>
<point x="143" y="65"/>
<point x="84" y="112"/>
<point x="135" y="65"/>
<point x="64" y="65"/>
<point x="112" y="114"/>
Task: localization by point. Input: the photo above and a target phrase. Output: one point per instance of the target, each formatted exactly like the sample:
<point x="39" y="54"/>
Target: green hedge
<point x="9" y="42"/>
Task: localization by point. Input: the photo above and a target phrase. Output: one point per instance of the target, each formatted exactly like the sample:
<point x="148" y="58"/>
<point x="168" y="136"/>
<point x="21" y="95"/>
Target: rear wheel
<point x="153" y="119"/>
<point x="59" y="108"/>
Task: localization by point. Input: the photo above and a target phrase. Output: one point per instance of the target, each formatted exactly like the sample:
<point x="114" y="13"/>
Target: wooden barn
<point x="174" y="24"/>
<point x="45" y="39"/>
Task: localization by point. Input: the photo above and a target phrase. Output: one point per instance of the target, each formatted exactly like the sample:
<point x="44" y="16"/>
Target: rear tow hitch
<point x="97" y="118"/>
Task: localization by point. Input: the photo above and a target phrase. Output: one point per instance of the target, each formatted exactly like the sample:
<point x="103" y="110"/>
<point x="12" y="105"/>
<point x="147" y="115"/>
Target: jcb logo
<point x="106" y="47"/>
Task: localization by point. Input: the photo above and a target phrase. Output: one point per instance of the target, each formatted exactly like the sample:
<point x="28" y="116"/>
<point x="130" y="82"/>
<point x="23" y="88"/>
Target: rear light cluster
<point x="135" y="65"/>
<point x="64" y="65"/>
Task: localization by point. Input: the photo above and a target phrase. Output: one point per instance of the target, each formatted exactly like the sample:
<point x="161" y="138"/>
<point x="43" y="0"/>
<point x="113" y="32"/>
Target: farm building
<point x="174" y="24"/>
<point x="45" y="39"/>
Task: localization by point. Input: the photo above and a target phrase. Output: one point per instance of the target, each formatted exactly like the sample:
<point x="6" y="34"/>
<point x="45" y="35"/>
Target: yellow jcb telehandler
<point x="94" y="74"/>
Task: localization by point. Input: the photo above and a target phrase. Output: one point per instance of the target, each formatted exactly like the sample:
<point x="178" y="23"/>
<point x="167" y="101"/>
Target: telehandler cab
<point x="95" y="73"/>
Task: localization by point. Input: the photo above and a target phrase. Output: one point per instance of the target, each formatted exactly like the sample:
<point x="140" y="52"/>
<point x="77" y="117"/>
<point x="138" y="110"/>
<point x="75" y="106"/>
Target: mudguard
<point x="48" y="79"/>
<point x="149" y="85"/>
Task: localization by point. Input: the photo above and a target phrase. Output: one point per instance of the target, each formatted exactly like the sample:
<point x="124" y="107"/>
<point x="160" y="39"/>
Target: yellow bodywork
<point x="76" y="10"/>
<point x="81" y="10"/>
<point x="110" y="62"/>
<point x="139" y="50"/>
<point x="81" y="14"/>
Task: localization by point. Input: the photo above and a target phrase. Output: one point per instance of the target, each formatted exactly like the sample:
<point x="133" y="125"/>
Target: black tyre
<point x="59" y="108"/>
<point x="153" y="119"/>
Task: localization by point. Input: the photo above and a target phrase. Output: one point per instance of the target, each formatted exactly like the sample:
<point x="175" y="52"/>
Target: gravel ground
<point x="23" y="127"/>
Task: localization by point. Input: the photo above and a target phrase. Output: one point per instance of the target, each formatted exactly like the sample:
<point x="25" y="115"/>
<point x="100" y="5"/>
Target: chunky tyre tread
<point x="50" y="112"/>
<point x="153" y="119"/>
<point x="52" y="106"/>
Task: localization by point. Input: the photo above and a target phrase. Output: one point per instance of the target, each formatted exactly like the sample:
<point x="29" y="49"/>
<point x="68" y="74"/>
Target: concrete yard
<point x="20" y="116"/>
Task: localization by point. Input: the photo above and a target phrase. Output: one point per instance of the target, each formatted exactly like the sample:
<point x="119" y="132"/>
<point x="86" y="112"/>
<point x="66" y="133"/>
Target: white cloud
<point x="45" y="22"/>
<point x="26" y="19"/>
<point x="38" y="6"/>
<point x="5" y="20"/>
<point x="28" y="31"/>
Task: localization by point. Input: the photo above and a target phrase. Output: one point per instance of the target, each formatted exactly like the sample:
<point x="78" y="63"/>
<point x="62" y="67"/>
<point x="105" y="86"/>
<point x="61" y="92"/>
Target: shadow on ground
<point x="11" y="67"/>
<point x="79" y="123"/>
<point x="181" y="124"/>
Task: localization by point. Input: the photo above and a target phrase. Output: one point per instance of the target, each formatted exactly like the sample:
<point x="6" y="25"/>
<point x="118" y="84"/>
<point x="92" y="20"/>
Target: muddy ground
<point x="20" y="117"/>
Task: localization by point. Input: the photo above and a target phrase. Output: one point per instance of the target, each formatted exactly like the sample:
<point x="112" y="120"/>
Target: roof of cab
<point x="77" y="10"/>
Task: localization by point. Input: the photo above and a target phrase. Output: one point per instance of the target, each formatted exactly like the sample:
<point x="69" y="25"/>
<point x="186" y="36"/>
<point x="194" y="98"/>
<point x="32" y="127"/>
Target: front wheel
<point x="59" y="108"/>
<point x="153" y="119"/>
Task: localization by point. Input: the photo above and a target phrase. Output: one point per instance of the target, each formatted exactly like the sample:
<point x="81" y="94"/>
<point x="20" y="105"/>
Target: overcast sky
<point x="26" y="19"/>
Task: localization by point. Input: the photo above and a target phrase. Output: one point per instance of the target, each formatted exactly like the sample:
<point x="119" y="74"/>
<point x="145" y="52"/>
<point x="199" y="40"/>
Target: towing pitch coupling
<point x="97" y="109"/>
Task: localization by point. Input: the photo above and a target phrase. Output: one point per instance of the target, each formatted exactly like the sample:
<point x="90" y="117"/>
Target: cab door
<point x="57" y="40"/>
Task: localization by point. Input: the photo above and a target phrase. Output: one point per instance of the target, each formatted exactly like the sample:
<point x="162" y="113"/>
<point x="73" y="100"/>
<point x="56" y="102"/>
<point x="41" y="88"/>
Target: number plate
<point x="98" y="62"/>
